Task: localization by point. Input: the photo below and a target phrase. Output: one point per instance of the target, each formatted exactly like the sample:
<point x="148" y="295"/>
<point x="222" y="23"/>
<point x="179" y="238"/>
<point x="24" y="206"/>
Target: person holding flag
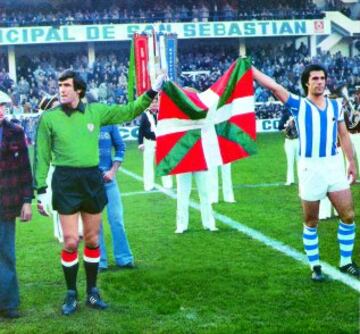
<point x="199" y="131"/>
<point x="320" y="120"/>
<point x="227" y="185"/>
<point x="147" y="144"/>
<point x="203" y="185"/>
<point x="184" y="182"/>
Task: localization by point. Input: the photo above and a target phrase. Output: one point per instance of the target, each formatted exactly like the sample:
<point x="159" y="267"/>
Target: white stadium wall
<point x="343" y="46"/>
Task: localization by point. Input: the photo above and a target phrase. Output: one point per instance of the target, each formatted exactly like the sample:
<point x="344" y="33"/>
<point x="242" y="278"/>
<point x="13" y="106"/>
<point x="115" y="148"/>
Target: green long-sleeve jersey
<point x="72" y="139"/>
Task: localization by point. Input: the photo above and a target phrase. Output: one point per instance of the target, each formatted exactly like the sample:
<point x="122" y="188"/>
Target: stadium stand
<point x="55" y="14"/>
<point x="198" y="67"/>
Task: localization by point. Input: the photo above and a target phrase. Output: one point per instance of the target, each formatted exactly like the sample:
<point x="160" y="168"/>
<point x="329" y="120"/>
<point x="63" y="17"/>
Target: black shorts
<point x="78" y="189"/>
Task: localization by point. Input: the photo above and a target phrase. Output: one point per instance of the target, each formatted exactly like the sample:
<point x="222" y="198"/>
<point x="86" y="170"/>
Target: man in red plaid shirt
<point x="15" y="201"/>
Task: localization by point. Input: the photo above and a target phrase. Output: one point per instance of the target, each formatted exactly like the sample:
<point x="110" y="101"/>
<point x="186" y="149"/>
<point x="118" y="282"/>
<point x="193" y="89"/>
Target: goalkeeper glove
<point x="43" y="204"/>
<point x="158" y="82"/>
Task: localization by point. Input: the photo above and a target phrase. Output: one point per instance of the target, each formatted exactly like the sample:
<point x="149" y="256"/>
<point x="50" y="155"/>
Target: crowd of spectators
<point x="284" y="63"/>
<point x="139" y="11"/>
<point x="338" y="5"/>
<point x="197" y="67"/>
<point x="5" y="81"/>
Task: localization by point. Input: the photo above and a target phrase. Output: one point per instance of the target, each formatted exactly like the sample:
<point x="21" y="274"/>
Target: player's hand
<point x="158" y="82"/>
<point x="141" y="147"/>
<point x="43" y="204"/>
<point x="26" y="212"/>
<point x="351" y="172"/>
<point x="108" y="176"/>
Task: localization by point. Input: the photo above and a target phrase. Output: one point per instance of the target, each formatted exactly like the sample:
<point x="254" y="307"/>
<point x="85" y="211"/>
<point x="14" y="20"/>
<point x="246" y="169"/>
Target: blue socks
<point x="311" y="245"/>
<point x="346" y="238"/>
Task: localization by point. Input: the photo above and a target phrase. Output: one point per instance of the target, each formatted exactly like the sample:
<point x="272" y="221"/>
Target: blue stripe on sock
<point x="348" y="226"/>
<point x="310" y="229"/>
<point x="309" y="236"/>
<point x="346" y="242"/>
<point x="313" y="257"/>
<point x="312" y="247"/>
<point x="342" y="232"/>
<point x="345" y="253"/>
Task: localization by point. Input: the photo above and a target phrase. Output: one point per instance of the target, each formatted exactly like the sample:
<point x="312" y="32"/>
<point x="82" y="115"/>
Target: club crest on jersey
<point x="91" y="127"/>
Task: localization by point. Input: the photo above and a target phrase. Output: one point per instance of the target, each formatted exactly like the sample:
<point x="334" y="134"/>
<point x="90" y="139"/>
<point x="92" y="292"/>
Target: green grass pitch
<point x="198" y="282"/>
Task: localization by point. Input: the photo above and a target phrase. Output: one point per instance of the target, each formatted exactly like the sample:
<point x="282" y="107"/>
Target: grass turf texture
<point x="198" y="282"/>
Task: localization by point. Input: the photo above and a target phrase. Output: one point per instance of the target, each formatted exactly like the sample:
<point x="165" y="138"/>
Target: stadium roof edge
<point x="342" y="24"/>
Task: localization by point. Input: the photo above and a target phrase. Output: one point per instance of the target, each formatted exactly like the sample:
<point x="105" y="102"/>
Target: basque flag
<point x="196" y="131"/>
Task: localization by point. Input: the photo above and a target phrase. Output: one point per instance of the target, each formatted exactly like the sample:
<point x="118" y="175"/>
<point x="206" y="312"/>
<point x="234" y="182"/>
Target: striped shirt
<point x="317" y="128"/>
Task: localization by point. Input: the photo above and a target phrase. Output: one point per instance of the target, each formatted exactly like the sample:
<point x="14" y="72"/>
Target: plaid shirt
<point x="15" y="172"/>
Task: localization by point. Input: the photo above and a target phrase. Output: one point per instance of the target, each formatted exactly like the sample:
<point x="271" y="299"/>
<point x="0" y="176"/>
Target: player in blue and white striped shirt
<point x="320" y="121"/>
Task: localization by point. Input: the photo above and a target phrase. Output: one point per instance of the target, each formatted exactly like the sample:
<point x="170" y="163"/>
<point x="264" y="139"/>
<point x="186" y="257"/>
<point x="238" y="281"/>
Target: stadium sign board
<point x="267" y="125"/>
<point x="129" y="132"/>
<point x="119" y="32"/>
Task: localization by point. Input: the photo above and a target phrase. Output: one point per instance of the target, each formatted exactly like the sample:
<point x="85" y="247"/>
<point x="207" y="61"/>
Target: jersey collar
<point x="68" y="110"/>
<point x="319" y="109"/>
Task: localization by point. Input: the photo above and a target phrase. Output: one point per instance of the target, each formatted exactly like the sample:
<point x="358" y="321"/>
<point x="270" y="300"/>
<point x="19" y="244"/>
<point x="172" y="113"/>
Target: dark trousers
<point x="9" y="290"/>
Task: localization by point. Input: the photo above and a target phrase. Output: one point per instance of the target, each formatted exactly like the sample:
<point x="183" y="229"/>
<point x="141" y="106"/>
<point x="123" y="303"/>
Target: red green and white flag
<point x="197" y="131"/>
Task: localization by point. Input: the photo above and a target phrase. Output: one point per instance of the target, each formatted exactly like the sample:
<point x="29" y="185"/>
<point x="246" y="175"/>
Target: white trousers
<point x="227" y="186"/>
<point x="184" y="182"/>
<point x="148" y="171"/>
<point x="292" y="152"/>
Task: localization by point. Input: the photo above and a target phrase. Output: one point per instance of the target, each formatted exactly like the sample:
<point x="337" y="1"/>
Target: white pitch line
<point x="259" y="185"/>
<point x="262" y="185"/>
<point x="134" y="193"/>
<point x="333" y="272"/>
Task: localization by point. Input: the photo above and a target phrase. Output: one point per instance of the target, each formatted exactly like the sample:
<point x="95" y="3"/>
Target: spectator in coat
<point x="15" y="201"/>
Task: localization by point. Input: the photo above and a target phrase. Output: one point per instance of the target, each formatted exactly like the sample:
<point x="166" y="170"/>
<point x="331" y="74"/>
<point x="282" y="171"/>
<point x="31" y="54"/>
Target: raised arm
<point x="265" y="81"/>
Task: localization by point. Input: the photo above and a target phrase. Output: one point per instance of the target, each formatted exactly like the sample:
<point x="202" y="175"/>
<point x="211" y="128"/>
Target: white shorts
<point x="319" y="176"/>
